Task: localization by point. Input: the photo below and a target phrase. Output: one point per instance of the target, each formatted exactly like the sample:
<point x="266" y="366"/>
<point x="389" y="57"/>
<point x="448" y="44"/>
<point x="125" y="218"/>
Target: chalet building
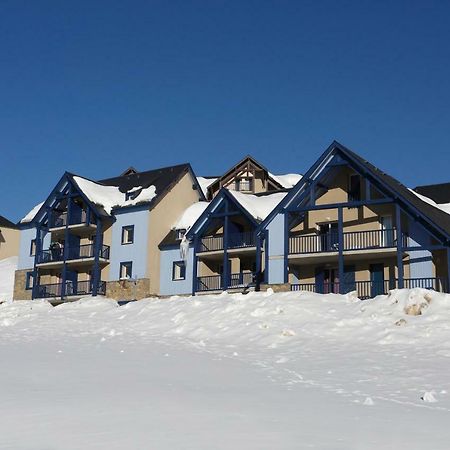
<point x="222" y="252"/>
<point x="344" y="226"/>
<point x="349" y="226"/>
<point x="9" y="238"/>
<point x="101" y="238"/>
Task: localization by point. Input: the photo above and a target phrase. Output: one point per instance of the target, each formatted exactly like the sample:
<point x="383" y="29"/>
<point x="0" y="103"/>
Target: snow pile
<point x="442" y="206"/>
<point x="259" y="206"/>
<point x="110" y="197"/>
<point x="7" y="268"/>
<point x="288" y="180"/>
<point x="190" y="216"/>
<point x="30" y="216"/>
<point x="205" y="183"/>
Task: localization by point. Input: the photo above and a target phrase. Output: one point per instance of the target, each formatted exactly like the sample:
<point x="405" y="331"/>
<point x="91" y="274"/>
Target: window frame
<point x="123" y="264"/>
<point x="127" y="228"/>
<point x="33" y="247"/>
<point x="182" y="268"/>
<point x="29" y="277"/>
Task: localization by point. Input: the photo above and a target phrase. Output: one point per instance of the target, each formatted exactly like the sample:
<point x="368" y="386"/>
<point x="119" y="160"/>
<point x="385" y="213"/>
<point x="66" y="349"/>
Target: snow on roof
<point x="190" y="215"/>
<point x="259" y="206"/>
<point x="205" y="183"/>
<point x="442" y="206"/>
<point x="287" y="180"/>
<point x="110" y="197"/>
<point x="30" y="216"/>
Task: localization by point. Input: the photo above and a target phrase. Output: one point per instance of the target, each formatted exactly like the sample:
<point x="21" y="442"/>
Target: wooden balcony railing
<point x="235" y="240"/>
<point x="216" y="282"/>
<point x="370" y="289"/>
<point x="80" y="252"/>
<point x="77" y="217"/>
<point x="72" y="288"/>
<point x="353" y="240"/>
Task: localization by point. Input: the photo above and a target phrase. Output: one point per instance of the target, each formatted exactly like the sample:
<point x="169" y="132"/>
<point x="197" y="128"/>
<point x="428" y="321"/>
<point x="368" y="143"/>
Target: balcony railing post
<point x="341" y="250"/>
<point x="96" y="269"/>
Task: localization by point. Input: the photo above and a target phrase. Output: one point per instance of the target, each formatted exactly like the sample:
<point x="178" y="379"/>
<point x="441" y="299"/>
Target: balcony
<point x="215" y="282"/>
<point x="235" y="241"/>
<point x="55" y="256"/>
<point x="370" y="289"/>
<point x="78" y="288"/>
<point x="352" y="241"/>
<point x="78" y="218"/>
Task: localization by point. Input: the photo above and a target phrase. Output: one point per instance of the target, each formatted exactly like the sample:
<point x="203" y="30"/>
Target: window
<point x="244" y="184"/>
<point x="354" y="188"/>
<point x="29" y="281"/>
<point x="126" y="270"/>
<point x="180" y="233"/>
<point x="128" y="234"/>
<point x="33" y="247"/>
<point x="179" y="271"/>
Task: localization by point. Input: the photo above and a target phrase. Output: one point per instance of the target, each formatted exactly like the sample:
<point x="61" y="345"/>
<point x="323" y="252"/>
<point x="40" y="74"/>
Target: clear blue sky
<point x="93" y="87"/>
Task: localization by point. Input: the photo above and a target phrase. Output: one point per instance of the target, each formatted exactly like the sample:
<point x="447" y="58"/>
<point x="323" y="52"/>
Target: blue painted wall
<point x="135" y="252"/>
<point x="168" y="286"/>
<point x="420" y="262"/>
<point x="26" y="236"/>
<point x="276" y="250"/>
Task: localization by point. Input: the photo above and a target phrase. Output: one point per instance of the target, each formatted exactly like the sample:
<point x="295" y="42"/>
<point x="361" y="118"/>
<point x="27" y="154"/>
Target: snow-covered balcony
<point x="55" y="256"/>
<point x="372" y="288"/>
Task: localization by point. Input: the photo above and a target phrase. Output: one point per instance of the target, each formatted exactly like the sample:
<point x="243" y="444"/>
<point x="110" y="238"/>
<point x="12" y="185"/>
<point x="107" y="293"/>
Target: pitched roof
<point x="432" y="215"/>
<point x="253" y="161"/>
<point x="4" y="222"/>
<point x="440" y="193"/>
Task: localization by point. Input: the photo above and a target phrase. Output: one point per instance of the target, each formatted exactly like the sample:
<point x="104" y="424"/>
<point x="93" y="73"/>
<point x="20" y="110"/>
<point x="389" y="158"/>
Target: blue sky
<point x="93" y="87"/>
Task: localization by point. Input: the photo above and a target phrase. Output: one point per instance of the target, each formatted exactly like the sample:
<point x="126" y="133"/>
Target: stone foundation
<point x="281" y="287"/>
<point x="20" y="282"/>
<point x="128" y="289"/>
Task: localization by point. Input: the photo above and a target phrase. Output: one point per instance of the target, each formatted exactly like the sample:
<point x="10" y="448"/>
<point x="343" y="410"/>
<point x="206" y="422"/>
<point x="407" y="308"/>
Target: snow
<point x="442" y="206"/>
<point x="257" y="371"/>
<point x="30" y="216"/>
<point x="190" y="216"/>
<point x="258" y="206"/>
<point x="288" y="180"/>
<point x="205" y="183"/>
<point x="110" y="197"/>
<point x="7" y="268"/>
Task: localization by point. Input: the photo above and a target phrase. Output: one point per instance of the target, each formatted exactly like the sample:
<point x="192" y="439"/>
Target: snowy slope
<point x="7" y="268"/>
<point x="256" y="371"/>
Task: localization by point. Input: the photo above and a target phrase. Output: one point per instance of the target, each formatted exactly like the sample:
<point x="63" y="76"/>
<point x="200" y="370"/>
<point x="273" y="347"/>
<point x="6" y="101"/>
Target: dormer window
<point x="131" y="195"/>
<point x="243" y="184"/>
<point x="180" y="234"/>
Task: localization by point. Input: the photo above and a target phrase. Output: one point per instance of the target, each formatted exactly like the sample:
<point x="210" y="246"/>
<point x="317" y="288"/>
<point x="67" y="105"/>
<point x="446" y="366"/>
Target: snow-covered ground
<point x="256" y="371"/>
<point x="7" y="268"/>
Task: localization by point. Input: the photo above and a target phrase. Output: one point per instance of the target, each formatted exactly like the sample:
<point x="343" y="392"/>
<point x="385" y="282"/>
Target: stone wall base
<point x="128" y="289"/>
<point x="20" y="282"/>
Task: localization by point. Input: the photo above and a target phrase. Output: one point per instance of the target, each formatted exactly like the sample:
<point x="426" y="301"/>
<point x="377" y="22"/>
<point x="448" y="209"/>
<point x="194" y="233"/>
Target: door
<point x="349" y="279"/>
<point x="224" y="283"/>
<point x="376" y="280"/>
<point x="329" y="238"/>
<point x="327" y="281"/>
<point x="387" y="231"/>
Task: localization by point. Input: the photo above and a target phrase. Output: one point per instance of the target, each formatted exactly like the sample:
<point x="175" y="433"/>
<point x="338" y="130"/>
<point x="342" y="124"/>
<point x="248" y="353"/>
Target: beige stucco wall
<point x="9" y="242"/>
<point x="162" y="218"/>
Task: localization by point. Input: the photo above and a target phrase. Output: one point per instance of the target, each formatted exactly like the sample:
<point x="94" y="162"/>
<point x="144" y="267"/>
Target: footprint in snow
<point x="368" y="402"/>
